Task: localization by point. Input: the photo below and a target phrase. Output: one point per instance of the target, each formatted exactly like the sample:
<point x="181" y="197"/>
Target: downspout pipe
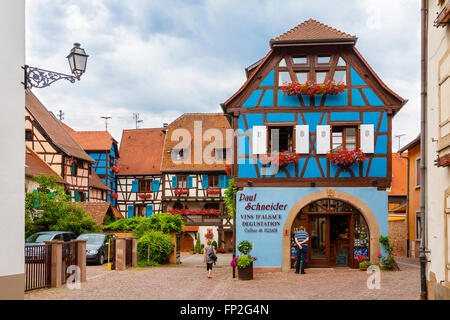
<point x="407" y="204"/>
<point x="423" y="114"/>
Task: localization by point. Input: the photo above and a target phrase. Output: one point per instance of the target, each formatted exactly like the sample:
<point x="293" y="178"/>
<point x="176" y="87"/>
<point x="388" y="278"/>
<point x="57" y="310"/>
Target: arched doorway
<point x="359" y="212"/>
<point x="337" y="232"/>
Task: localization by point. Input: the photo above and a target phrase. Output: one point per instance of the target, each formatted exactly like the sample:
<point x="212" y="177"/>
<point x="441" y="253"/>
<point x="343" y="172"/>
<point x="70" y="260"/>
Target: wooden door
<point x="318" y="246"/>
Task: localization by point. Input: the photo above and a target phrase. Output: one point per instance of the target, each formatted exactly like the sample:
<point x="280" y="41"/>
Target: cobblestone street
<point x="189" y="281"/>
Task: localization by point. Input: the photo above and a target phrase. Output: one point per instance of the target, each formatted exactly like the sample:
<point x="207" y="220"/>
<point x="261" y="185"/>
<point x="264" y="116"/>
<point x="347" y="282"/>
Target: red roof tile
<point x="91" y="140"/>
<point x="313" y="31"/>
<point x="96" y="182"/>
<point x="98" y="210"/>
<point x="141" y="151"/>
<point x="53" y="128"/>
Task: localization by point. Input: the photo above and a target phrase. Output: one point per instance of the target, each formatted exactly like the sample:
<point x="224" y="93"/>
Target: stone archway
<point x="358" y="204"/>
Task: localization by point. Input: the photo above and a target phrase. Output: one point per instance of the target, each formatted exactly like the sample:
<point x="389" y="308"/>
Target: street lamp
<point x="40" y="78"/>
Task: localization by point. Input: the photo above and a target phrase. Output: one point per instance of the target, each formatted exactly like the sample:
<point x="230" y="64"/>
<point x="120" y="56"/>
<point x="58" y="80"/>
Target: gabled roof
<point x="34" y="166"/>
<point x="413" y="143"/>
<point x="98" y="210"/>
<point x="54" y="129"/>
<point x="97" y="183"/>
<point x="141" y="151"/>
<point x="186" y="121"/>
<point x="92" y="140"/>
<point x="312" y="31"/>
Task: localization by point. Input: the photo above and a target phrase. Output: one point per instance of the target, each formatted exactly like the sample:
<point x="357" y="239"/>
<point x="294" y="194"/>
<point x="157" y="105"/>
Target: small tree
<point x="228" y="197"/>
<point x="49" y="208"/>
<point x="198" y="247"/>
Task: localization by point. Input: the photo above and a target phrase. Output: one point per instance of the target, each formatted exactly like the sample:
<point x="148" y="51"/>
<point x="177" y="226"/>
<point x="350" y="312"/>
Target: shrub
<point x="164" y="222"/>
<point x="228" y="197"/>
<point x="197" y="247"/>
<point x="154" y="248"/>
<point x="124" y="225"/>
<point x="245" y="247"/>
<point x="214" y="244"/>
<point x="388" y="263"/>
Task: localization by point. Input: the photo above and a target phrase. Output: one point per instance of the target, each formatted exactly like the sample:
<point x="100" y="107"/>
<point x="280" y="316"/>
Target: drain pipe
<point x="407" y="204"/>
<point x="423" y="113"/>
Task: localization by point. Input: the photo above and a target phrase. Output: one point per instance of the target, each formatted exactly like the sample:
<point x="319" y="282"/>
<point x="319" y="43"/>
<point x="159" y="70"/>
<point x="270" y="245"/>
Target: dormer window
<point x="344" y="137"/>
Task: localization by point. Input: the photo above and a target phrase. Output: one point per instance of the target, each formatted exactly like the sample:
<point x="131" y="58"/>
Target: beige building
<point x="437" y="144"/>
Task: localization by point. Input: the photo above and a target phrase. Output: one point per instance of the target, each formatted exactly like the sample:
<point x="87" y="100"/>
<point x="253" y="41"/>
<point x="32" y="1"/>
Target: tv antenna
<point x="136" y="118"/>
<point x="61" y="115"/>
<point x="106" y="122"/>
<point x="399" y="136"/>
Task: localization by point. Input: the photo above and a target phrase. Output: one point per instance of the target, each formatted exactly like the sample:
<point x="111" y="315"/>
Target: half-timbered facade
<point x="139" y="183"/>
<point x="46" y="136"/>
<point x="344" y="208"/>
<point x="103" y="148"/>
<point x="194" y="174"/>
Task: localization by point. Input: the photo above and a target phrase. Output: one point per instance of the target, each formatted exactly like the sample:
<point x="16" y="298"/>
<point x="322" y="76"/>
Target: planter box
<point x="246" y="273"/>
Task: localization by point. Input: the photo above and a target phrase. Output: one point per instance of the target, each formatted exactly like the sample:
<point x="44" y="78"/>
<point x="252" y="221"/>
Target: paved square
<point x="189" y="281"/>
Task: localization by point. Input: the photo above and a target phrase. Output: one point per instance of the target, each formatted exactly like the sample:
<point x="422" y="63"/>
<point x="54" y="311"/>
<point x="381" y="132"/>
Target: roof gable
<point x="92" y="140"/>
<point x="53" y="128"/>
<point x="34" y="166"/>
<point x="312" y="31"/>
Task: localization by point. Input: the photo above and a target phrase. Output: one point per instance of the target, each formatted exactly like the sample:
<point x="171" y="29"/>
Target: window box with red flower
<point x="283" y="159"/>
<point x="114" y="195"/>
<point x="228" y="169"/>
<point x="115" y="169"/>
<point x="312" y="88"/>
<point x="145" y="195"/>
<point x="211" y="191"/>
<point x="346" y="158"/>
<point x="196" y="212"/>
<point x="180" y="191"/>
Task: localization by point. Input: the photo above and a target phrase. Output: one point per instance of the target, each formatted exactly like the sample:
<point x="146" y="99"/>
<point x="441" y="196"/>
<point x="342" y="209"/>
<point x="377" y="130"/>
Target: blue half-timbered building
<point x="343" y="207"/>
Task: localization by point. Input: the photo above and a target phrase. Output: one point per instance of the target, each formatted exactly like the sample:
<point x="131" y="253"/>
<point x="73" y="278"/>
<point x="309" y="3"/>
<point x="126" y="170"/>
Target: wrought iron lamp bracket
<point x="40" y="78"/>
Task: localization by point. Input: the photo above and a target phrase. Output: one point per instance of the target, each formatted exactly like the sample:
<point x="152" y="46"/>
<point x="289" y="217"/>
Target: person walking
<point x="209" y="257"/>
<point x="301" y="239"/>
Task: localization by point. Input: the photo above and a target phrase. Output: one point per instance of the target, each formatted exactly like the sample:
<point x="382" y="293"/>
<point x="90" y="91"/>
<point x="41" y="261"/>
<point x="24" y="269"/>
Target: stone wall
<point x="397" y="236"/>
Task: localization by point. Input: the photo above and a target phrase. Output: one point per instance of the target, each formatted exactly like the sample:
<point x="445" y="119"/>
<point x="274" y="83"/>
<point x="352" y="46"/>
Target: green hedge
<point x="154" y="248"/>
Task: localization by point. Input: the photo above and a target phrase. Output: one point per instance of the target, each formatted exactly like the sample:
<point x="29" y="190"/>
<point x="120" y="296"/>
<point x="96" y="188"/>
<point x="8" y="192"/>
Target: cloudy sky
<point x="164" y="58"/>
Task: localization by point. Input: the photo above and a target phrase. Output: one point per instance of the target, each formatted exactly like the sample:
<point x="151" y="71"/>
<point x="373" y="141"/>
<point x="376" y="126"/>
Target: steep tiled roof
<point x="34" y="166"/>
<point x="98" y="210"/>
<point x="91" y="140"/>
<point x="141" y="151"/>
<point x="96" y="182"/>
<point x="186" y="121"/>
<point x="313" y="31"/>
<point x="53" y="128"/>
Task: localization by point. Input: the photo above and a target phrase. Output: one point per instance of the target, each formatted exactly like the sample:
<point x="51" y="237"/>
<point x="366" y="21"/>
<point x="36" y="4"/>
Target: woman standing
<point x="208" y="253"/>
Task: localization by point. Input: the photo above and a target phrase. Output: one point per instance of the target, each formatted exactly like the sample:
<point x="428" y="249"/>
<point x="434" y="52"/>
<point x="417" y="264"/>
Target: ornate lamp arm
<point x="40" y="78"/>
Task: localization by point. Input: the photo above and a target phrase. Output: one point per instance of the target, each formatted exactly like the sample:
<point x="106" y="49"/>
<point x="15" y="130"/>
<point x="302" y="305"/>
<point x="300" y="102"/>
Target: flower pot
<point x="246" y="273"/>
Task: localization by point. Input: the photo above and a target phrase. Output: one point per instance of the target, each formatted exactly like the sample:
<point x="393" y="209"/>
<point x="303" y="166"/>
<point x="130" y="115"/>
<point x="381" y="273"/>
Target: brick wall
<point x="397" y="236"/>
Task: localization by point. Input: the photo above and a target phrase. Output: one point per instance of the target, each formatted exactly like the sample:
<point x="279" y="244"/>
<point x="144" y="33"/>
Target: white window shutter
<point x="323" y="139"/>
<point x="367" y="140"/>
<point x="259" y="140"/>
<point x="302" y="139"/>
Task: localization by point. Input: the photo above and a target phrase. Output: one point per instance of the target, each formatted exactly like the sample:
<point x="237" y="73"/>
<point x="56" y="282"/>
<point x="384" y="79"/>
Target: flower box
<point x="115" y="169"/>
<point x="196" y="212"/>
<point x="181" y="191"/>
<point x="313" y="88"/>
<point x="228" y="169"/>
<point x="346" y="158"/>
<point x="114" y="195"/>
<point x="213" y="191"/>
<point x="145" y="195"/>
<point x="283" y="159"/>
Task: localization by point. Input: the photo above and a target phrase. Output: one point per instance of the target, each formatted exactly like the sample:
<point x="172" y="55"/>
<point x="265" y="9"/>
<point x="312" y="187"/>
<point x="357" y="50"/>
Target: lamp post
<point x="40" y="78"/>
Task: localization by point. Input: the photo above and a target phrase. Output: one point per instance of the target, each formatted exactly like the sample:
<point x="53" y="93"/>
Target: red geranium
<point x="344" y="157"/>
<point x="313" y="88"/>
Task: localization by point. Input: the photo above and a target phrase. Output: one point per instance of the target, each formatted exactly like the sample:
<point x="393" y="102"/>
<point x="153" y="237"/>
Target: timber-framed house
<point x="344" y="207"/>
<point x="193" y="184"/>
<point x="103" y="148"/>
<point x="139" y="179"/>
<point x="45" y="135"/>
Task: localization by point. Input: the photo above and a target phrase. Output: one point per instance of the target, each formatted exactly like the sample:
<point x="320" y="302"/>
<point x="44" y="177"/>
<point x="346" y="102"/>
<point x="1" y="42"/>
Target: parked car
<point x="96" y="246"/>
<point x="38" y="238"/>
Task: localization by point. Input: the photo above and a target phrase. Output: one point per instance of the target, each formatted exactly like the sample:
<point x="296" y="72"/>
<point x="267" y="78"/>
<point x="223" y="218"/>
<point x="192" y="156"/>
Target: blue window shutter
<point x="222" y="182"/>
<point x="149" y="210"/>
<point x="135" y="186"/>
<point x="130" y="212"/>
<point x="155" y="185"/>
<point x="205" y="181"/>
<point x="36" y="201"/>
<point x="77" y="196"/>
<point x="189" y="182"/>
<point x="174" y="182"/>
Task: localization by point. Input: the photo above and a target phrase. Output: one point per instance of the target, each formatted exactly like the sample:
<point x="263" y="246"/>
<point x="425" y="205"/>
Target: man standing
<point x="301" y="238"/>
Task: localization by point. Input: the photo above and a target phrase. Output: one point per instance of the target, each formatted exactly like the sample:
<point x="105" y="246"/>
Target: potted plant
<point x="244" y="262"/>
<point x="388" y="262"/>
<point x="220" y="250"/>
<point x="363" y="262"/>
<point x="282" y="159"/>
